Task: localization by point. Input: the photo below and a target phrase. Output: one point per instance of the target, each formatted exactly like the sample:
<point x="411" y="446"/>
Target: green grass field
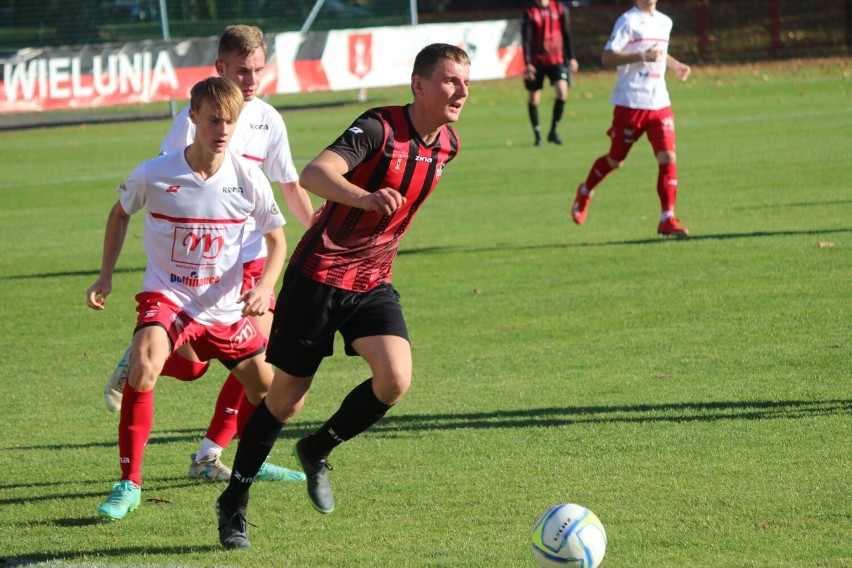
<point x="696" y="395"/>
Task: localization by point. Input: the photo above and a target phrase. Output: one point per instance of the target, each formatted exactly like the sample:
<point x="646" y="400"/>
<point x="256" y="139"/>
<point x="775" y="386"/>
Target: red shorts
<point x="227" y="343"/>
<point x="628" y="125"/>
<point x="252" y="271"/>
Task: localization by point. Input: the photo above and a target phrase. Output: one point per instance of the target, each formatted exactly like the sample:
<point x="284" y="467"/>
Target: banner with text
<point x="161" y="70"/>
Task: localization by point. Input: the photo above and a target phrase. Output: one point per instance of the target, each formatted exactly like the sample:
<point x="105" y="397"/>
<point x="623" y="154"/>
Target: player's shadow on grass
<point x="92" y="273"/>
<point x="117" y="553"/>
<point x="650" y="241"/>
<point x="191" y="436"/>
<point x="39" y="492"/>
<point x="394" y="425"/>
<point x="721" y="237"/>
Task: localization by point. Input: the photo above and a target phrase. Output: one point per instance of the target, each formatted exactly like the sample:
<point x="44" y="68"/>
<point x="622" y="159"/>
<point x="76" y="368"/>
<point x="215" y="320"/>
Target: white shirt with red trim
<point x="194" y="229"/>
<point x="260" y="136"/>
<point x="641" y="85"/>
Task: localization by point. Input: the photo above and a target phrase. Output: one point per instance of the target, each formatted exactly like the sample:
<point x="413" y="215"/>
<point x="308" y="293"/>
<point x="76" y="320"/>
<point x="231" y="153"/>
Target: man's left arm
<point x="298" y="202"/>
<point x="256" y="301"/>
<point x="680" y="69"/>
<point x="567" y="44"/>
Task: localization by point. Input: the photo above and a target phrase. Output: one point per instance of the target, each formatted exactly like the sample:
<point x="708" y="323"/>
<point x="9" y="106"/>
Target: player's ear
<point x="220" y="67"/>
<point x="416" y="84"/>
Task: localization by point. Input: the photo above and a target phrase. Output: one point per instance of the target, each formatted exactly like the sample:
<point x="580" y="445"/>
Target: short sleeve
<point x="181" y="133"/>
<point x="620" y="37"/>
<point x="361" y="140"/>
<point x="133" y="191"/>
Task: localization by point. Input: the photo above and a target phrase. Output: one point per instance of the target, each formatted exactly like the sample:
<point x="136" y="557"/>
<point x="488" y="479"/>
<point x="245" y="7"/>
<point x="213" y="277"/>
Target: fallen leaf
<point x="157" y="500"/>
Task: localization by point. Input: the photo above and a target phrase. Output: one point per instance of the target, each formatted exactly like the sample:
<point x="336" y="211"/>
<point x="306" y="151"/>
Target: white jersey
<point x="193" y="230"/>
<point x="641" y="85"/>
<point x="260" y="136"/>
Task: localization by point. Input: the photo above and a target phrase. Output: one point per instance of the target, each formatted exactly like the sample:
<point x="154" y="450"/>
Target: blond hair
<point x="223" y="95"/>
<point x="242" y="40"/>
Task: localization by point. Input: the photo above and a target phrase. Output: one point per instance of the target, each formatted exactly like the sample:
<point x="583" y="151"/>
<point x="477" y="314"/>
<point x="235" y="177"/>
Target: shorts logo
<point x="244" y="334"/>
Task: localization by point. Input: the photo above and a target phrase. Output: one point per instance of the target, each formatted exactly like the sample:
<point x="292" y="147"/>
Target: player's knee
<point x="143" y="375"/>
<point x="666" y="157"/>
<point x="392" y="386"/>
<point x="613" y="163"/>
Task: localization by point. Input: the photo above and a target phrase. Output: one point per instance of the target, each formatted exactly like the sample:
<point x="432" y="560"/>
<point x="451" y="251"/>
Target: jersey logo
<point x="356" y="130"/>
<point x="197" y="246"/>
<point x="399" y="159"/>
<point x="440" y="169"/>
<point x="172" y="189"/>
<point x="259" y="126"/>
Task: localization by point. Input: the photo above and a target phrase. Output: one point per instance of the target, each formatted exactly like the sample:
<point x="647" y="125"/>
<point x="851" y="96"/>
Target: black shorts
<point x="553" y="72"/>
<point x="308" y="314"/>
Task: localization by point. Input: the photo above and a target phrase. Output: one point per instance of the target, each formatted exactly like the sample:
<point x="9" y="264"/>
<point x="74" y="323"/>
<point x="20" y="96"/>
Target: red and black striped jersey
<point x="544" y="35"/>
<point x="354" y="249"/>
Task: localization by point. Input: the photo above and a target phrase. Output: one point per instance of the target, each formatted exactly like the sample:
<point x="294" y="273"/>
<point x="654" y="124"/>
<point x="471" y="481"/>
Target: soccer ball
<point x="569" y="535"/>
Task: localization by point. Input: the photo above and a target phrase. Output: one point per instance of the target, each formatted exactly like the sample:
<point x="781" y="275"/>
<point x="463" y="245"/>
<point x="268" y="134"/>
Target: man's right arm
<point x="614" y="58"/>
<point x="116" y="230"/>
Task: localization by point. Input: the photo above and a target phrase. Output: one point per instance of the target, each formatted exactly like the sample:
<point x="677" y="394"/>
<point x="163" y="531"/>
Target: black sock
<point x="558" y="109"/>
<point x="533" y="112"/>
<point x="358" y="411"/>
<point x="258" y="437"/>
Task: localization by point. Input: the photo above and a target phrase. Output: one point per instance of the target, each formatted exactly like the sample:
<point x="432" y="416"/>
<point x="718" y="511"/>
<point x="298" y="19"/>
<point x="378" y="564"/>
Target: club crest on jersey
<point x="440" y="169"/>
<point x="398" y="161"/>
<point x="172" y="189"/>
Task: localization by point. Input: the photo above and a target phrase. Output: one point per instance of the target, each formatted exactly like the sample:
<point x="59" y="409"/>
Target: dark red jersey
<point x="545" y="36"/>
<point x="354" y="249"/>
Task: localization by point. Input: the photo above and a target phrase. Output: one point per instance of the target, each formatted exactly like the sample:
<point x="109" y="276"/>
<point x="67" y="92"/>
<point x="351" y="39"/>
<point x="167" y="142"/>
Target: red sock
<point x="134" y="428"/>
<point x="667" y="186"/>
<point x="600" y="169"/>
<point x="183" y="369"/>
<point x="223" y="425"/>
<point x="246" y="410"/>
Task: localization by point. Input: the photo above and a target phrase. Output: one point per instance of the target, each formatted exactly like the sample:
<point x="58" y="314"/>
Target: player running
<point x="198" y="202"/>
<point x="638" y="48"/>
<point x="261" y="136"/>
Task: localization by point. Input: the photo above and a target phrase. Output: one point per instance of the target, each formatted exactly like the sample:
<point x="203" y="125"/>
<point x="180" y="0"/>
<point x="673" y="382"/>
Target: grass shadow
<point x="59" y="557"/>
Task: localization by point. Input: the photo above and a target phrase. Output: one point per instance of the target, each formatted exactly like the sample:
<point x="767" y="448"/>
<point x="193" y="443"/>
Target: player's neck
<point x="426" y="128"/>
<point x="204" y="164"/>
<point x="648" y="8"/>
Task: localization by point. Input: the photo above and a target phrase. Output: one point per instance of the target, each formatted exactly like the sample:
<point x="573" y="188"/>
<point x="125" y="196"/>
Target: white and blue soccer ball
<point x="569" y="536"/>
